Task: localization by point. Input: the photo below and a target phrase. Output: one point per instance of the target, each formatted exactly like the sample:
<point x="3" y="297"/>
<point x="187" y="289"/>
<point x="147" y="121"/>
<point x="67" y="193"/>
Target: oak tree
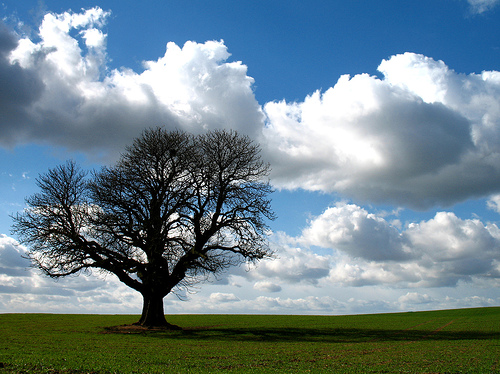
<point x="175" y="209"/>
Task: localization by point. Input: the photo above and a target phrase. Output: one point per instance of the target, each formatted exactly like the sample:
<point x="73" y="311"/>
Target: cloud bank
<point x="360" y="248"/>
<point x="441" y="252"/>
<point x="420" y="135"/>
<point x="443" y="262"/>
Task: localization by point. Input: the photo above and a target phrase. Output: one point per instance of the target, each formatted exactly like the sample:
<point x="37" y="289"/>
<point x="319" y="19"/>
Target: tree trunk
<point x="153" y="314"/>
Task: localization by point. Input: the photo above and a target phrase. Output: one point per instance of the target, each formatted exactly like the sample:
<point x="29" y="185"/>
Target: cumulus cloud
<point x="22" y="289"/>
<point x="493" y="203"/>
<point x="422" y="135"/>
<point x="267" y="286"/>
<point x="311" y="304"/>
<point x="347" y="246"/>
<point x="20" y="88"/>
<point x="12" y="263"/>
<point x="418" y="136"/>
<point x="302" y="280"/>
<point x="353" y="230"/>
<point x="415" y="298"/>
<point x="442" y="251"/>
<point x="65" y="94"/>
<point x="292" y="265"/>
<point x="220" y="297"/>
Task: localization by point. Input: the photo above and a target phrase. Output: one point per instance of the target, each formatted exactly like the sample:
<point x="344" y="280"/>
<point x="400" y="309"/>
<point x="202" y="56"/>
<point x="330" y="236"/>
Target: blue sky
<point x="381" y="121"/>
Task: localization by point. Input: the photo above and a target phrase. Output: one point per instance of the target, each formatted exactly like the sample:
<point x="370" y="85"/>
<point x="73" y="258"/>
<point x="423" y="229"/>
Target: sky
<point x="380" y="120"/>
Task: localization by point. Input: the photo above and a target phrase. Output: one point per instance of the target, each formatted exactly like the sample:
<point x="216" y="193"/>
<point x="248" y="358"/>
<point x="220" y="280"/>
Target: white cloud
<point x="367" y="250"/>
<point x="200" y="303"/>
<point x="423" y="135"/>
<point x="11" y="253"/>
<point x="94" y="38"/>
<point x="388" y="286"/>
<point x="293" y="265"/>
<point x="470" y="302"/>
<point x="22" y="289"/>
<point x="267" y="286"/>
<point x="66" y="95"/>
<point x="372" y="300"/>
<point x="310" y="304"/>
<point x="493" y="203"/>
<point x="481" y="6"/>
<point x="353" y="230"/>
<point x="347" y="246"/>
<point x="220" y="297"/>
<point x="415" y="298"/>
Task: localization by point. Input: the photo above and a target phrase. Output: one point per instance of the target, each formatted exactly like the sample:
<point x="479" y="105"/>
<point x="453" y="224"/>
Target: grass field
<point x="454" y="341"/>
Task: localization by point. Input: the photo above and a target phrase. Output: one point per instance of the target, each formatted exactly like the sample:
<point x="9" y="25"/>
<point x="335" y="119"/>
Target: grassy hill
<point x="450" y="341"/>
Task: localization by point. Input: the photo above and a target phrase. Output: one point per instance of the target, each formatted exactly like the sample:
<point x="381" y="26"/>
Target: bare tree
<point x="174" y="209"/>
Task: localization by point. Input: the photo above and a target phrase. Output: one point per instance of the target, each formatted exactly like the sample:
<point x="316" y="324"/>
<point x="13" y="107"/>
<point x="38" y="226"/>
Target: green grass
<point x="454" y="341"/>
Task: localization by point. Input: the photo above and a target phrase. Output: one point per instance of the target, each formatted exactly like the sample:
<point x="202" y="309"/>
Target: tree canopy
<point x="173" y="210"/>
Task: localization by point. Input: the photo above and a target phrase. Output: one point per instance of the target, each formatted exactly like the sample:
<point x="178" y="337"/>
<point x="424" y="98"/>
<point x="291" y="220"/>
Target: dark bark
<point x="153" y="313"/>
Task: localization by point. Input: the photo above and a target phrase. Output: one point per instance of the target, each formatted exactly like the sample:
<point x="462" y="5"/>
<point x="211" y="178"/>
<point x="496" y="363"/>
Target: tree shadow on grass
<point x="325" y="335"/>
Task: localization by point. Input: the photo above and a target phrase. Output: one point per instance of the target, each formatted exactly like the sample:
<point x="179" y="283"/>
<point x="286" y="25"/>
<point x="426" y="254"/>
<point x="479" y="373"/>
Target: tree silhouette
<point x="173" y="210"/>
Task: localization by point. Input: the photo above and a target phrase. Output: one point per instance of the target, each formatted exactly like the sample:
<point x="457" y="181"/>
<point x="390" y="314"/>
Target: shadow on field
<point x="321" y="335"/>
